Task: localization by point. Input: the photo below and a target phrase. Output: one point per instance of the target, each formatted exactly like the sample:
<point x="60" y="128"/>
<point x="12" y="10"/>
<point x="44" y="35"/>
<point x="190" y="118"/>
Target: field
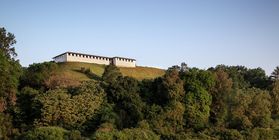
<point x="73" y="71"/>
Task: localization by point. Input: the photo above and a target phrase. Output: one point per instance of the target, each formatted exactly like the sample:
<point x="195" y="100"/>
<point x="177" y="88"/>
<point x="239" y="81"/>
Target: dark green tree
<point x="128" y="105"/>
<point x="37" y="74"/>
<point x="10" y="70"/>
<point x="257" y="78"/>
<point x="275" y="99"/>
<point x="275" y="74"/>
<point x="26" y="109"/>
<point x="168" y="88"/>
<point x="198" y="100"/>
<point x="7" y="40"/>
<point x="111" y="74"/>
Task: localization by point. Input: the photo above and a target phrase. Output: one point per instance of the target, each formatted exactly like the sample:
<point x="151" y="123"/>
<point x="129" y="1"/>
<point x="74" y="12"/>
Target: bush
<point x="107" y="132"/>
<point x="229" y="134"/>
<point x="45" y="133"/>
<point x="261" y="134"/>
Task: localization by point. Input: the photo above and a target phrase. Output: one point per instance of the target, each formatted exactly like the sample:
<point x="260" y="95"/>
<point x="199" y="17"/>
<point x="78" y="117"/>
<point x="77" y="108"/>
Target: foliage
<point x="275" y="74"/>
<point x="26" y="110"/>
<point x="70" y="111"/>
<point x="250" y="108"/>
<point x="261" y="134"/>
<point x="257" y="78"/>
<point x="45" y="133"/>
<point x="62" y="101"/>
<point x="220" y="93"/>
<point x="275" y="99"/>
<point x="37" y="75"/>
<point x="107" y="132"/>
<point x="169" y="121"/>
<point x="168" y="88"/>
<point x="7" y="130"/>
<point x="197" y="99"/>
<point x="230" y="134"/>
<point x="10" y="71"/>
<point x="128" y="104"/>
<point x="7" y="40"/>
<point x="111" y="74"/>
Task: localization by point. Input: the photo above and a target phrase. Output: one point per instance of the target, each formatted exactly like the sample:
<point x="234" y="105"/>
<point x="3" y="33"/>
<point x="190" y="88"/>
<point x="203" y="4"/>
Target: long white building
<point x="88" y="58"/>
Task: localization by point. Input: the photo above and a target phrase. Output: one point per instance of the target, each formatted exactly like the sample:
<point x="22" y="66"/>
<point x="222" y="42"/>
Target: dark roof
<point x="124" y="58"/>
<point x="91" y="55"/>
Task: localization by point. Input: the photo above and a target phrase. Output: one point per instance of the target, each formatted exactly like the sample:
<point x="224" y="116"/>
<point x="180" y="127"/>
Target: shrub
<point x="45" y="133"/>
<point x="261" y="134"/>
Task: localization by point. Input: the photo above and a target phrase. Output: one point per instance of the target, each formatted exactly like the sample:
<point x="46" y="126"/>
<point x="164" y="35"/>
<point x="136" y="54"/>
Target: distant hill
<point x="74" y="70"/>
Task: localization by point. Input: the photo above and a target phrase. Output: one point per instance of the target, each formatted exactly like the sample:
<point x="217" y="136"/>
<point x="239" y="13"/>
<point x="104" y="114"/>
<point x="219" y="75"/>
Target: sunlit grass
<point x="72" y="69"/>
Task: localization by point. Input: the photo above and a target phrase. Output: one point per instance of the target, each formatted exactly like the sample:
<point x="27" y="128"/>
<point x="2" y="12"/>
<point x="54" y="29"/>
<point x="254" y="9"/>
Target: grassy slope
<point x="73" y="70"/>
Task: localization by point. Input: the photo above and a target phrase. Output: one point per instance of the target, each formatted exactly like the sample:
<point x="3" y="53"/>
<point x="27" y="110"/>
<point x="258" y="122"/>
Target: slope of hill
<point x="74" y="71"/>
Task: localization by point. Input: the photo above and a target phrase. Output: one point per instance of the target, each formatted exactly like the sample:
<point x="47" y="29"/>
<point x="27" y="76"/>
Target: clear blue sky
<point x="160" y="33"/>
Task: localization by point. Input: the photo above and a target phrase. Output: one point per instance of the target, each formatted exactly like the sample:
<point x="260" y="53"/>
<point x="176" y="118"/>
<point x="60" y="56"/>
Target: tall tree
<point x="125" y="95"/>
<point x="220" y="92"/>
<point x="37" y="75"/>
<point x="7" y="40"/>
<point x="10" y="70"/>
<point x="198" y="99"/>
<point x="111" y="73"/>
<point x="275" y="74"/>
<point x="257" y="78"/>
<point x="275" y="99"/>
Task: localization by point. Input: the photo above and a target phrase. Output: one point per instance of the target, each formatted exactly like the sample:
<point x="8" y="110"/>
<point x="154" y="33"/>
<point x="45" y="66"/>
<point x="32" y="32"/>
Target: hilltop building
<point x="88" y="58"/>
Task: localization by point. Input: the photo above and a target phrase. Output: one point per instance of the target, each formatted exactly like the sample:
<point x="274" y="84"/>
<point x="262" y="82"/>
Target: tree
<point x="275" y="74"/>
<point x="198" y="99"/>
<point x="167" y="121"/>
<point x="184" y="67"/>
<point x="37" y="75"/>
<point x="168" y="88"/>
<point x="6" y="41"/>
<point x="111" y="74"/>
<point x="10" y="70"/>
<point x="107" y="131"/>
<point x="260" y="109"/>
<point x="45" y="133"/>
<point x="236" y="73"/>
<point x="238" y="108"/>
<point x="275" y="99"/>
<point x="128" y="105"/>
<point x="26" y="109"/>
<point x="220" y="92"/>
<point x="70" y="111"/>
<point x="257" y="78"/>
<point x="7" y="130"/>
<point x="249" y="108"/>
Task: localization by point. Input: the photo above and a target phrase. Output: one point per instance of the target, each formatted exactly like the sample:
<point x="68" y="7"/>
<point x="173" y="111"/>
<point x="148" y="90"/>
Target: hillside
<point x="73" y="70"/>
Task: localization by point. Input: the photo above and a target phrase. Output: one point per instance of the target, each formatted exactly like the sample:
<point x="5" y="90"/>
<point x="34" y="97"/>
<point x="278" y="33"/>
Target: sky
<point x="158" y="33"/>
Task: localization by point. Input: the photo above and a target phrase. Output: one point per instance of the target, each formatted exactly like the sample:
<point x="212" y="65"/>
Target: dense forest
<point x="222" y="102"/>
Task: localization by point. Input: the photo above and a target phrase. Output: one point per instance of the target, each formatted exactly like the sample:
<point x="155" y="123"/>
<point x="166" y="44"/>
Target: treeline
<point x="224" y="102"/>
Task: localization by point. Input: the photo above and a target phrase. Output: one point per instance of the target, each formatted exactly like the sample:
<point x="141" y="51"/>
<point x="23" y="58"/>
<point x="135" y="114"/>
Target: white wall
<point x="122" y="62"/>
<point x="87" y="59"/>
<point x="119" y="62"/>
<point x="61" y="58"/>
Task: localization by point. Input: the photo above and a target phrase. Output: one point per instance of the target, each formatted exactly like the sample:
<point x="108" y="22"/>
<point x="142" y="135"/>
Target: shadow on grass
<point x="89" y="74"/>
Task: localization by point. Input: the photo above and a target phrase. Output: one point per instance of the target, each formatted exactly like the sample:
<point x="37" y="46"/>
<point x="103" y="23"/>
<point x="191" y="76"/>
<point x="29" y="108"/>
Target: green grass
<point x="72" y="70"/>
